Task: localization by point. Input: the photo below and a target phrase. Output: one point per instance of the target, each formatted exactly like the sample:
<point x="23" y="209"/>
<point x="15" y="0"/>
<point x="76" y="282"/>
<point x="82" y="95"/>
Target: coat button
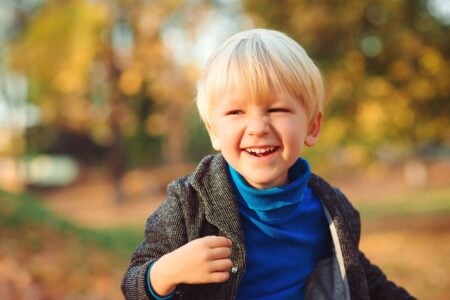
<point x="234" y="270"/>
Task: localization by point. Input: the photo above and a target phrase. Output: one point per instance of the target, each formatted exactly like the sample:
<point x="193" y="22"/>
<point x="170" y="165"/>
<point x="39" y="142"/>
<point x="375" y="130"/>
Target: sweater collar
<point x="272" y="204"/>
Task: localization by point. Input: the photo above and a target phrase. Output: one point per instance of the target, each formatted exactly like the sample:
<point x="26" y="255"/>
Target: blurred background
<point x="97" y="116"/>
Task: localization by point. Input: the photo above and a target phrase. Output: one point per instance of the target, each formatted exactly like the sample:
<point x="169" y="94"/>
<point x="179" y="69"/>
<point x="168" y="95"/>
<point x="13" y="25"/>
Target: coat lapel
<point x="212" y="182"/>
<point x="341" y="215"/>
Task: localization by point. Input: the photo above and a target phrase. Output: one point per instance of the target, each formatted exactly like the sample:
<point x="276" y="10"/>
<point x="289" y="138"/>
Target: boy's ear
<point x="212" y="136"/>
<point x="313" y="130"/>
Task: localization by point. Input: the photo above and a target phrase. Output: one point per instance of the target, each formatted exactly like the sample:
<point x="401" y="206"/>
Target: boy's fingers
<point x="217" y="241"/>
<point x="219" y="252"/>
<point x="221" y="265"/>
<point x="219" y="276"/>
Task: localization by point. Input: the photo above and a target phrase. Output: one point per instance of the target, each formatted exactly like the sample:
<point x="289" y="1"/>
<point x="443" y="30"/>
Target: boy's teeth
<point x="260" y="150"/>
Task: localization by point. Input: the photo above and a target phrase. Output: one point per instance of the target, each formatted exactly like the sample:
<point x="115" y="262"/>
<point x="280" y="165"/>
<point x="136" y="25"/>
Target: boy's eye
<point x="278" y="109"/>
<point x="234" y="112"/>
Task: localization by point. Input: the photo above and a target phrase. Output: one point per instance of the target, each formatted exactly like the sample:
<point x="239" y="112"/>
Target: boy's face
<point x="262" y="140"/>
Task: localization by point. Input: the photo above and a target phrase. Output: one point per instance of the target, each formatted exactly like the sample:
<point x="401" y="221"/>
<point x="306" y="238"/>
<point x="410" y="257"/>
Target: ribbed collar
<point x="272" y="204"/>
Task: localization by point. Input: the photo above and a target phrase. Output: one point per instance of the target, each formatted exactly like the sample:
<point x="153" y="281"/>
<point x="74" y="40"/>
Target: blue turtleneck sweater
<point x="286" y="233"/>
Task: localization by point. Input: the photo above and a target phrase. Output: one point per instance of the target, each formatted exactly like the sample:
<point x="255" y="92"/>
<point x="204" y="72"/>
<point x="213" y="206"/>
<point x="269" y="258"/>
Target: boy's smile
<point x="262" y="139"/>
<point x="261" y="154"/>
<point x="261" y="151"/>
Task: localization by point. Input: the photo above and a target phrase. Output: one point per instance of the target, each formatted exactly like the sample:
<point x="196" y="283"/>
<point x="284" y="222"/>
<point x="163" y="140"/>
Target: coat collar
<point x="212" y="181"/>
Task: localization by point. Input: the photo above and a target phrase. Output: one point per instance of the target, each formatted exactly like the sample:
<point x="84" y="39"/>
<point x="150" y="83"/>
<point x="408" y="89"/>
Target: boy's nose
<point x="258" y="126"/>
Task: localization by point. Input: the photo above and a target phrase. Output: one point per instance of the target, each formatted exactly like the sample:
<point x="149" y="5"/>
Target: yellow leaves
<point x="382" y="116"/>
<point x="354" y="154"/>
<point x="378" y="87"/>
<point x="67" y="82"/>
<point x="401" y="70"/>
<point x="404" y="118"/>
<point x="370" y="118"/>
<point x="333" y="131"/>
<point x="12" y="274"/>
<point x="128" y="121"/>
<point x="156" y="124"/>
<point x="130" y="82"/>
<point x="101" y="133"/>
<point x="46" y="260"/>
<point x="48" y="110"/>
<point x="76" y="112"/>
<point x="387" y="109"/>
<point x="340" y="87"/>
<point x="435" y="75"/>
<point x="432" y="61"/>
<point x="371" y="114"/>
<point x="150" y="19"/>
<point x="421" y="89"/>
<point x="11" y="143"/>
<point x="355" y="62"/>
<point x="409" y="44"/>
<point x="61" y="44"/>
<point x="310" y="18"/>
<point x="169" y="87"/>
<point x="432" y="129"/>
<point x="400" y="111"/>
<point x="6" y="137"/>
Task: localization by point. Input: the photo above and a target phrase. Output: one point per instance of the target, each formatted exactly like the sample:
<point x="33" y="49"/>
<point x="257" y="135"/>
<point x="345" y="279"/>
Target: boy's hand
<point x="204" y="260"/>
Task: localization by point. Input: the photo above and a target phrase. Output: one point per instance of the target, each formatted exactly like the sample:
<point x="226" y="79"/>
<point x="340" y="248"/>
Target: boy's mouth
<point x="261" y="151"/>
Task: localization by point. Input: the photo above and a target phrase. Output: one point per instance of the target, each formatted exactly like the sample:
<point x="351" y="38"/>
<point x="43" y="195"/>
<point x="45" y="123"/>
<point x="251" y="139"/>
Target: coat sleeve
<point x="165" y="231"/>
<point x="379" y="286"/>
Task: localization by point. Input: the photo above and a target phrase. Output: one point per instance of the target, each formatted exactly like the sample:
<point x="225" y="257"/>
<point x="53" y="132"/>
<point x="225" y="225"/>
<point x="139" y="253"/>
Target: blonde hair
<point x="256" y="63"/>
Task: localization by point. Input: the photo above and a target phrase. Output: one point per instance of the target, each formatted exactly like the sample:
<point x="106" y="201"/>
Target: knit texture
<point x="203" y="203"/>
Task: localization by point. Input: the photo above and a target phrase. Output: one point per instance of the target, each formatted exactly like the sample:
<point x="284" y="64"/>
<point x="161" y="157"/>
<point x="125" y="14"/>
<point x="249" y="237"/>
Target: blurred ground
<point x="90" y="201"/>
<point x="413" y="249"/>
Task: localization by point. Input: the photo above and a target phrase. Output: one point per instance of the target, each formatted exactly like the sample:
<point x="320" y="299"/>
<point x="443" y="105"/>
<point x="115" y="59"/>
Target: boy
<point x="252" y="222"/>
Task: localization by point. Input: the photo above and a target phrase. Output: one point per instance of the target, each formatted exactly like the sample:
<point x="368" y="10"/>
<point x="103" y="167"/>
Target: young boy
<point x="253" y="222"/>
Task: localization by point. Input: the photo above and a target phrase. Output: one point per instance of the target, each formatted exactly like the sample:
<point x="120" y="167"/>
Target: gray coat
<point x="203" y="203"/>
